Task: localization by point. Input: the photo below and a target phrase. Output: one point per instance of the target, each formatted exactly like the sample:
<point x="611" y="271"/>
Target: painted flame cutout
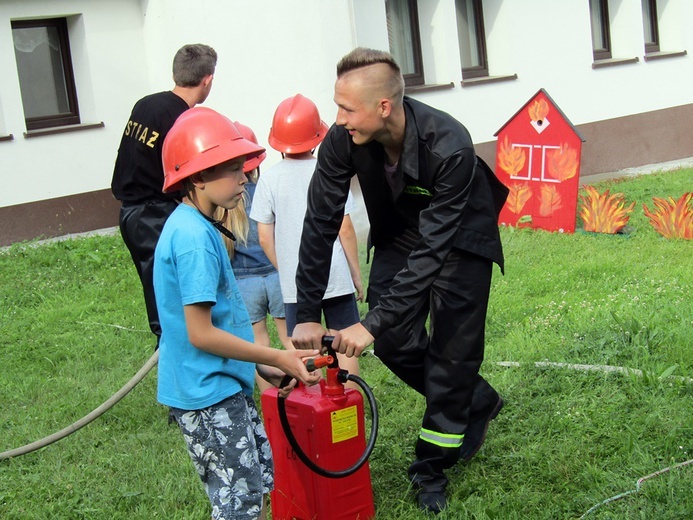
<point x="604" y="213"/>
<point x="672" y="219"/>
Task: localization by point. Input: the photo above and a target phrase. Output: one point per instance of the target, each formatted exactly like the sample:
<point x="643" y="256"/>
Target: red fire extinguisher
<point x="319" y="447"/>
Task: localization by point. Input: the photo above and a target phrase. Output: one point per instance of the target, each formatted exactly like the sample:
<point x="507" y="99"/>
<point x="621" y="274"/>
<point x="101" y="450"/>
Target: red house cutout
<point x="538" y="159"/>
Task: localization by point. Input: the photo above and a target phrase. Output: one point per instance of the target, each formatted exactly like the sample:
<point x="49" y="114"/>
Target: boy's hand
<point x="291" y="363"/>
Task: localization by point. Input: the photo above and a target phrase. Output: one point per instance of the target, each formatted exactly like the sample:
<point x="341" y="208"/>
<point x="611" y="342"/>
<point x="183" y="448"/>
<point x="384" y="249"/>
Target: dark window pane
<point x="598" y="41"/>
<point x="41" y="76"/>
<point x="650" y="25"/>
<point x="599" y="18"/>
<point x="403" y="38"/>
<point x="399" y="34"/>
<point x="469" y="50"/>
<point x="45" y="73"/>
<point x="472" y="38"/>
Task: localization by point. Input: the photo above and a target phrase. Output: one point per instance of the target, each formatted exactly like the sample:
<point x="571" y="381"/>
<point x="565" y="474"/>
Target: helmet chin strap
<point x="216" y="223"/>
<point x="220" y="226"/>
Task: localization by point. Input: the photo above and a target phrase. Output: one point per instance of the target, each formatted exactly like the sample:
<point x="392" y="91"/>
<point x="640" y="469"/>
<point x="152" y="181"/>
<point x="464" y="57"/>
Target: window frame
<point x="651" y="26"/>
<point x="71" y="117"/>
<point x="604" y="28"/>
<point x="477" y="71"/>
<point x="415" y="78"/>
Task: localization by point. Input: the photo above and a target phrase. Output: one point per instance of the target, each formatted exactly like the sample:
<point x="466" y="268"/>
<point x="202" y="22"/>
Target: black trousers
<point x="140" y="227"/>
<point x="441" y="363"/>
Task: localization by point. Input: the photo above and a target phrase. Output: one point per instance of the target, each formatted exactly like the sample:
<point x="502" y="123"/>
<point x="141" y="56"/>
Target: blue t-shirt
<point x="249" y="259"/>
<point x="191" y="265"/>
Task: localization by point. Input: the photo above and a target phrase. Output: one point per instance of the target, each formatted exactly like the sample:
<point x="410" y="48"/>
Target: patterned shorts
<point x="230" y="451"/>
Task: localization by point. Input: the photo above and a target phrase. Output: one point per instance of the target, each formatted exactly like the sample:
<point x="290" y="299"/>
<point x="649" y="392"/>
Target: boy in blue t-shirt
<point x="207" y="358"/>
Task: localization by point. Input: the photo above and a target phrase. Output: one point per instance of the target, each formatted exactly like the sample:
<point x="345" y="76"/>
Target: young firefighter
<point x="433" y="210"/>
<point x="280" y="206"/>
<point x="207" y="358"/>
<point x="257" y="278"/>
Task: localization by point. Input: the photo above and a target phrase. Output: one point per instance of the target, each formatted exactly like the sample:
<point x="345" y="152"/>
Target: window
<point x="46" y="80"/>
<point x="601" y="38"/>
<point x="472" y="38"/>
<point x="404" y="39"/>
<point x="650" y="26"/>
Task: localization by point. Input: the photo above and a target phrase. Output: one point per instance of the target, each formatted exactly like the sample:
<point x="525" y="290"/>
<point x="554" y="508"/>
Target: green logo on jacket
<point x="417" y="190"/>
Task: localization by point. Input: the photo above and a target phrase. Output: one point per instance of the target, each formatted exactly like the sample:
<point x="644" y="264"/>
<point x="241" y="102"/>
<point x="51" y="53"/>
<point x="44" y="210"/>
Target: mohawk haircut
<point x="362" y="57"/>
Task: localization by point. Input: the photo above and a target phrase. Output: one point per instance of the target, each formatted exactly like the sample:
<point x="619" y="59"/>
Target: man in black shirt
<point x="138" y="176"/>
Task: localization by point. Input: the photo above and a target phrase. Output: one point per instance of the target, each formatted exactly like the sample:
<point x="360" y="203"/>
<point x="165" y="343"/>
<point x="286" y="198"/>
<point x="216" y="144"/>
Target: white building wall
<point x="268" y="50"/>
<point x="108" y="54"/>
<point x="548" y="45"/>
<point x="271" y="49"/>
<point x="122" y="50"/>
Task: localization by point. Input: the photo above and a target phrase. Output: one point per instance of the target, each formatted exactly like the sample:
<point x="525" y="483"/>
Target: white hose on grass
<point x="638" y="485"/>
<point x="590" y="368"/>
<point x="107" y="405"/>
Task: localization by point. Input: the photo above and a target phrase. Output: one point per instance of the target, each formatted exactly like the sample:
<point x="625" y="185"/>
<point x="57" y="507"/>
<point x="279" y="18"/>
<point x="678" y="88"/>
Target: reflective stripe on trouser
<point x="444" y="440"/>
<point x="443" y="365"/>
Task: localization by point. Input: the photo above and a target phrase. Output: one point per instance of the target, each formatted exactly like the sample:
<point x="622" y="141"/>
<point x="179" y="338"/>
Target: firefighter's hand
<point x="352" y="340"/>
<point x="291" y="363"/>
<point x="308" y="335"/>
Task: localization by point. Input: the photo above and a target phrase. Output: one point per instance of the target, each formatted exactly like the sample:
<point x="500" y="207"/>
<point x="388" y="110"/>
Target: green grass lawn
<point x="74" y="331"/>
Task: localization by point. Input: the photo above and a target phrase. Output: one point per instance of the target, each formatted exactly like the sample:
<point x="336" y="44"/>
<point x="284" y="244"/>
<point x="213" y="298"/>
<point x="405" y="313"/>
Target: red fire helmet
<point x="199" y="139"/>
<point x="247" y="133"/>
<point x="296" y="126"/>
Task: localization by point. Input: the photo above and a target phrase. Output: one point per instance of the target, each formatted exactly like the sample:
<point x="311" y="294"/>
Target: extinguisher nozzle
<point x="315" y="363"/>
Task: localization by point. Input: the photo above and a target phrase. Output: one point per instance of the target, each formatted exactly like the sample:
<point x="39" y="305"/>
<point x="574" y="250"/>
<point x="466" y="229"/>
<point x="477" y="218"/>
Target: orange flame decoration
<point x="511" y="160"/>
<point x="604" y="213"/>
<point x="518" y="197"/>
<point x="562" y="163"/>
<point x="550" y="200"/>
<point x="672" y="219"/>
<point x="539" y="110"/>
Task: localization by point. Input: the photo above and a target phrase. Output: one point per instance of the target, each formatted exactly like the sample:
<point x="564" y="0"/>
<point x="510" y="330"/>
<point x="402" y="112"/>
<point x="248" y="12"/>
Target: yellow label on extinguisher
<point x="344" y="424"/>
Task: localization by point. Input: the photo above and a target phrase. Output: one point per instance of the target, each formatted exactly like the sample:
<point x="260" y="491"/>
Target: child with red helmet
<point x="207" y="359"/>
<point x="279" y="208"/>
